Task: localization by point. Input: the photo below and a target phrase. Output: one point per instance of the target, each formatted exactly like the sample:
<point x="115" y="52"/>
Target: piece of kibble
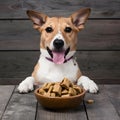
<point x="64" y="92"/>
<point x="75" y="92"/>
<point x="57" y="89"/>
<point x="47" y="94"/>
<point x="78" y="89"/>
<point x="52" y="95"/>
<point x="50" y="89"/>
<point x="90" y="101"/>
<point x="47" y="86"/>
<point x="65" y="83"/>
<point x="41" y="91"/>
<point x="71" y="91"/>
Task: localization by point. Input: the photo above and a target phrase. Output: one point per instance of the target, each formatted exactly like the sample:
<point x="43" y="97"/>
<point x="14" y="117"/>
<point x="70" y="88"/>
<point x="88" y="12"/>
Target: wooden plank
<point x="5" y="94"/>
<point x="75" y="114"/>
<point x="102" y="66"/>
<point x="113" y="92"/>
<point x="21" y="107"/>
<point x="19" y="35"/>
<point x="20" y="64"/>
<point x="16" y="9"/>
<point x="102" y="108"/>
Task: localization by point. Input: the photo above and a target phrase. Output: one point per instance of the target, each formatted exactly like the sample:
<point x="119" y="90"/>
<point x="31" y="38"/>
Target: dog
<point x="58" y="46"/>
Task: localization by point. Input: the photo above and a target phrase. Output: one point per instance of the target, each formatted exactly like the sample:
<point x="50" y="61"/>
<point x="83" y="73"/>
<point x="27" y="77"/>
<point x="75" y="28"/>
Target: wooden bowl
<point x="59" y="102"/>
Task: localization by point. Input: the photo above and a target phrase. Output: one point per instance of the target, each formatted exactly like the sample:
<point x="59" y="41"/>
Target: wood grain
<point x="102" y="66"/>
<point x="5" y="94"/>
<point x="17" y="9"/>
<point x="75" y="114"/>
<point x="21" y="107"/>
<point x="97" y="35"/>
<point x="113" y="92"/>
<point x="102" y="108"/>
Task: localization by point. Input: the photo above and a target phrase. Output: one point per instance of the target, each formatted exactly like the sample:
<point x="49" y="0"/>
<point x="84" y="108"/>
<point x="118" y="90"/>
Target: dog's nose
<point x="58" y="43"/>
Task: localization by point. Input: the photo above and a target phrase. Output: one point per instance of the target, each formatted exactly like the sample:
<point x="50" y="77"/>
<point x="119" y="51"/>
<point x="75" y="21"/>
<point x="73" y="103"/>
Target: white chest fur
<point x="50" y="72"/>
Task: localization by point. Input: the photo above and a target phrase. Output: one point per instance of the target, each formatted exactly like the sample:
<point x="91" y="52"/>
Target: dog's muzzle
<point x="58" y="56"/>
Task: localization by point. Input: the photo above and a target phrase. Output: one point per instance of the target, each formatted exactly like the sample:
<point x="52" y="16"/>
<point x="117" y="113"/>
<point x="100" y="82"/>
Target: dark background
<point x="98" y="52"/>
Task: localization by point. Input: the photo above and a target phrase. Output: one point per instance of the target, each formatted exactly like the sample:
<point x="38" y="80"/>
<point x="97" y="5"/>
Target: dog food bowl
<point x="60" y="102"/>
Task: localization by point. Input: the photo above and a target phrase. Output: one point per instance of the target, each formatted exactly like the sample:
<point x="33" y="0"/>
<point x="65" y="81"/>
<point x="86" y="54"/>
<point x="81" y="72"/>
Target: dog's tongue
<point x="58" y="57"/>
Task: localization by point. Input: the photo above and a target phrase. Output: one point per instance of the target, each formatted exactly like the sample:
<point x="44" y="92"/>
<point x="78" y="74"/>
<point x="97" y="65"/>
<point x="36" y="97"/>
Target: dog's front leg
<point x="26" y="85"/>
<point x="88" y="84"/>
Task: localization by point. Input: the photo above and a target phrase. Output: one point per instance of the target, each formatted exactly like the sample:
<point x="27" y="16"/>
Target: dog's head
<point x="59" y="34"/>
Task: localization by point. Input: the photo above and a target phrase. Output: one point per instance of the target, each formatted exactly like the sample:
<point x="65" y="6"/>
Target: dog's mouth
<point x="58" y="57"/>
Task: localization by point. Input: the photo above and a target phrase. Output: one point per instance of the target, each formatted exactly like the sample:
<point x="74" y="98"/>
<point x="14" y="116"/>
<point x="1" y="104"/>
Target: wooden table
<point x="15" y="106"/>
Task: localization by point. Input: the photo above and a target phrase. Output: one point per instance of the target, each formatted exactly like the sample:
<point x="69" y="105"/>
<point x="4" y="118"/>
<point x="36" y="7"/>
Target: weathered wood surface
<point x="113" y="92"/>
<point x="102" y="66"/>
<point x="21" y="107"/>
<point x="106" y="106"/>
<point x="5" y="94"/>
<point x="102" y="108"/>
<point x="17" y="8"/>
<point x="97" y="35"/>
<point x="76" y="114"/>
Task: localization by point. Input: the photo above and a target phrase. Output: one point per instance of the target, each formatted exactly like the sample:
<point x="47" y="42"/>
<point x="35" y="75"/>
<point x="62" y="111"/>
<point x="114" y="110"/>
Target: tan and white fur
<point x="66" y="30"/>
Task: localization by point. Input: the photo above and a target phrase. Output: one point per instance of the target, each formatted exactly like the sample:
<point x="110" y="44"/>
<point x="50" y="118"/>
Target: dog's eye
<point x="68" y="29"/>
<point x="49" y="29"/>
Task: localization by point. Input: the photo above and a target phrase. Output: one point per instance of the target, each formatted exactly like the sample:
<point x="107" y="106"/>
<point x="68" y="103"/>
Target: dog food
<point x="60" y="89"/>
<point x="90" y="101"/>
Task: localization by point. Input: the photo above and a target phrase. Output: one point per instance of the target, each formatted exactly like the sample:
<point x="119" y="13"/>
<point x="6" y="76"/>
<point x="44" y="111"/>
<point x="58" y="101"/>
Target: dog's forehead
<point x="58" y="22"/>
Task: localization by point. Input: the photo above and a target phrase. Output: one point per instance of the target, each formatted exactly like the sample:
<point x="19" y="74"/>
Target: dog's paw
<point x="26" y="85"/>
<point x="88" y="84"/>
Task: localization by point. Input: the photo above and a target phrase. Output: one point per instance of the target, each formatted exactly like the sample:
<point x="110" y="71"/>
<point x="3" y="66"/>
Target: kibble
<point x="90" y="101"/>
<point x="60" y="89"/>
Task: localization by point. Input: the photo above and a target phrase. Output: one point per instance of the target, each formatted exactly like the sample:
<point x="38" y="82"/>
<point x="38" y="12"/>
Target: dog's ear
<point x="79" y="18"/>
<point x="37" y="18"/>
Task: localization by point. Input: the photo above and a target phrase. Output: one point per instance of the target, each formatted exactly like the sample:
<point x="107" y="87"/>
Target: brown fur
<point x="58" y="23"/>
<point x="79" y="74"/>
<point x="34" y="73"/>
